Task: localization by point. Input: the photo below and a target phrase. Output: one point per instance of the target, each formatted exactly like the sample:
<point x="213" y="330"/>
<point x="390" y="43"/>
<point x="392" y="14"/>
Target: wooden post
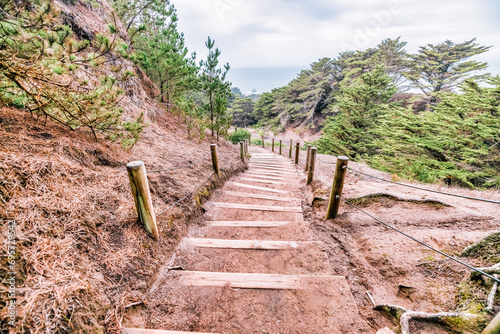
<point x="273" y="146"/>
<point x="297" y="153"/>
<point x="142" y="196"/>
<point x="246" y="148"/>
<point x="312" y="165"/>
<point x="249" y="138"/>
<point x="308" y="156"/>
<point x="338" y="185"/>
<point x="215" y="159"/>
<point x="281" y="144"/>
<point x="242" y="151"/>
<point x="494" y="326"/>
<point x="291" y="148"/>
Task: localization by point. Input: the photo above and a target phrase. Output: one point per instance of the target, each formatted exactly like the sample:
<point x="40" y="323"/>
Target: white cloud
<point x="262" y="33"/>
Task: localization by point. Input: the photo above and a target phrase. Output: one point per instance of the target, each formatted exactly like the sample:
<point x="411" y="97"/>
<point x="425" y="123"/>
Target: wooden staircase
<point x="254" y="266"/>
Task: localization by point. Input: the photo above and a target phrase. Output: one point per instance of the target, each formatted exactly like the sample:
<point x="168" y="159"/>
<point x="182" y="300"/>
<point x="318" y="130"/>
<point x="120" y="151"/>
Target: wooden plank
<point x="265" y="177"/>
<point x="268" y="164"/>
<point x="259" y="196"/>
<point x="258" y="224"/>
<point x="155" y="331"/>
<point x="242" y="185"/>
<point x="253" y="281"/>
<point x="263" y="181"/>
<point x="291" y="209"/>
<point x="242" y="281"/>
<point x="270" y="172"/>
<point x="249" y="244"/>
<point x="273" y="168"/>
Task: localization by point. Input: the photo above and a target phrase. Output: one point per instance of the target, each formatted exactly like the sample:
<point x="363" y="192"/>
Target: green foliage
<point x="239" y="135"/>
<point x="241" y="110"/>
<point x="443" y="66"/>
<point x="256" y="142"/>
<point x="36" y="65"/>
<point x="217" y="91"/>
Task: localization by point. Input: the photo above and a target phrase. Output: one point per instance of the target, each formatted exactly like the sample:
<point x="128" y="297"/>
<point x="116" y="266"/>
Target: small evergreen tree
<point x="217" y="90"/>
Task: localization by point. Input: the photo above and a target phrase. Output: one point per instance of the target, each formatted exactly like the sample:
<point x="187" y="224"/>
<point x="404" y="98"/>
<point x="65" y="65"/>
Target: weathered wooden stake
<point x="338" y="185"/>
<point x="291" y="149"/>
<point x="242" y="151"/>
<point x="281" y="145"/>
<point x="273" y="146"/>
<point x="494" y="326"/>
<point x="297" y="153"/>
<point x="249" y="138"/>
<point x="312" y="165"/>
<point x="215" y="159"/>
<point x="142" y="196"/>
<point x="308" y="156"/>
<point x="246" y="148"/>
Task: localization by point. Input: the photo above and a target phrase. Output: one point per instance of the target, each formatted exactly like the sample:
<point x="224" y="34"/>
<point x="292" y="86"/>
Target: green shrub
<point x="256" y="142"/>
<point x="239" y="135"/>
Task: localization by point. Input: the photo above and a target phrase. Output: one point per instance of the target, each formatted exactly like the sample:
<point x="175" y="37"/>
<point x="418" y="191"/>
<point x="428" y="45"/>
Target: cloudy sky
<point x="267" y="42"/>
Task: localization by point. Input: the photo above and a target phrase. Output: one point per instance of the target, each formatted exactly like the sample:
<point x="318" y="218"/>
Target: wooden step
<point x="271" y="168"/>
<point x="257" y="224"/>
<point x="275" y="165"/>
<point x="291" y="209"/>
<point x="265" y="177"/>
<point x="271" y="172"/>
<point x="259" y="196"/>
<point x="249" y="244"/>
<point x="263" y="181"/>
<point x="155" y="331"/>
<point x="242" y="280"/>
<point x="242" y="185"/>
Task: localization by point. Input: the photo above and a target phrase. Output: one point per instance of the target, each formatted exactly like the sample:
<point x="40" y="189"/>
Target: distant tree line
<point x="450" y="132"/>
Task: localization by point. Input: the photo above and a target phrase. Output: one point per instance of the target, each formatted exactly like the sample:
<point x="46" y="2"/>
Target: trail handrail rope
<point x="423" y="243"/>
<point x="187" y="195"/>
<point x="175" y="168"/>
<point x="425" y="189"/>
<point x="326" y="162"/>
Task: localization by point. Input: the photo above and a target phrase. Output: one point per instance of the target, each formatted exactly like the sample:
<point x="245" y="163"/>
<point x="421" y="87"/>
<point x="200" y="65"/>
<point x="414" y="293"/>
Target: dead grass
<point x="81" y="254"/>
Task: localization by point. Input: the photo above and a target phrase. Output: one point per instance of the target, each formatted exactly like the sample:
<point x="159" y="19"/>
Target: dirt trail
<point x="254" y="266"/>
<point x="281" y="268"/>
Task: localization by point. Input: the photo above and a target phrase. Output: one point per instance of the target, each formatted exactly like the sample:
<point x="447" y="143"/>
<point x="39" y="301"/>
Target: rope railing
<point x="336" y="192"/>
<point x="176" y="168"/>
<point x="187" y="195"/>
<point x="421" y="242"/>
<point x="192" y="191"/>
<point x="142" y="196"/>
<point x="424" y="189"/>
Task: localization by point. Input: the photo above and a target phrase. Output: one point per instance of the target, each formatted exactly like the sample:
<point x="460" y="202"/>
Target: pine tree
<point x="47" y="72"/>
<point x="443" y="66"/>
<point x="217" y="90"/>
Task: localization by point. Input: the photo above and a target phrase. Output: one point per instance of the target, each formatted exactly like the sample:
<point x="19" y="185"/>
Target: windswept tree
<point x="217" y="90"/>
<point x="444" y="66"/>
<point x="241" y="111"/>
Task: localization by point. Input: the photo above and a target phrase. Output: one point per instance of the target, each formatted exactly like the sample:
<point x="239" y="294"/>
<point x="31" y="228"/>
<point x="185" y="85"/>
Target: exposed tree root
<point x="405" y="316"/>
<point x="365" y="199"/>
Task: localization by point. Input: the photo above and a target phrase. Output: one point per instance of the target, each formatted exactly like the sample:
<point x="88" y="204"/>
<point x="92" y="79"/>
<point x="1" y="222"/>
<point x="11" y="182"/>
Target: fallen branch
<point x="405" y="316"/>
<point x="491" y="296"/>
